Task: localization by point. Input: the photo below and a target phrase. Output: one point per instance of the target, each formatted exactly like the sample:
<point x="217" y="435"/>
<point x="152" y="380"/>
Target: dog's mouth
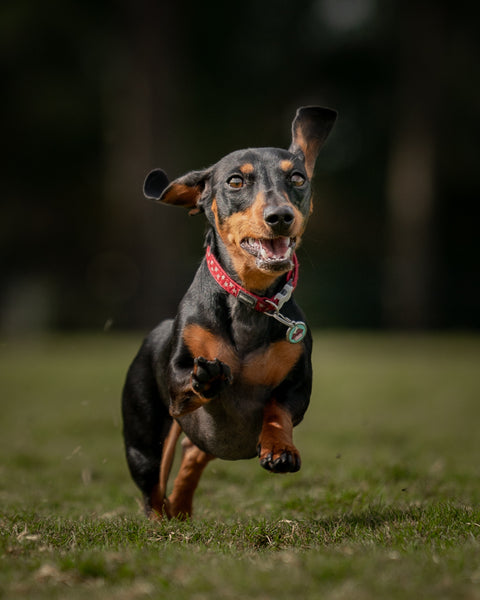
<point x="271" y="253"/>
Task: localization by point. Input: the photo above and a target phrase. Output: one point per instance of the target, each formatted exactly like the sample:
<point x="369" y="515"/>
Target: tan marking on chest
<point x="266" y="366"/>
<point x="269" y="366"/>
<point x="202" y="342"/>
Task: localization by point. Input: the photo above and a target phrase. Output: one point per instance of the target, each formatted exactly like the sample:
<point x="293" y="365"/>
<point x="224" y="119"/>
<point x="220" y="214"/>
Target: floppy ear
<point x="185" y="191"/>
<point x="310" y="129"/>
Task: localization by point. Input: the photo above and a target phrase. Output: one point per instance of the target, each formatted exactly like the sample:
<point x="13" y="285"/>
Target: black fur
<point x="165" y="379"/>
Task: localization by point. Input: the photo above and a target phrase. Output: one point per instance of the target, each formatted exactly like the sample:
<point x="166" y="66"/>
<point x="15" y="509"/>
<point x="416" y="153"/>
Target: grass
<point x="386" y="504"/>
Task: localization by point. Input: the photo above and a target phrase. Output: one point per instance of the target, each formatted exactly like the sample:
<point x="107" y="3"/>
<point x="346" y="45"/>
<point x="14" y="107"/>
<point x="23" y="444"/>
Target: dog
<point x="232" y="370"/>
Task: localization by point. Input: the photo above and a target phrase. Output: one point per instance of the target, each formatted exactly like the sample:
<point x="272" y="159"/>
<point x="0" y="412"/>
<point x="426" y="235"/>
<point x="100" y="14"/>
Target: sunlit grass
<point x="386" y="504"/>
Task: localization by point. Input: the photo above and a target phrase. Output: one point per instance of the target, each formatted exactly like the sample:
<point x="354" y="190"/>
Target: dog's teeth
<point x="270" y="250"/>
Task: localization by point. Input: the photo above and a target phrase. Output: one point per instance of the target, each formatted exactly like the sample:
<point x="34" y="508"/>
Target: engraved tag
<point x="296" y="332"/>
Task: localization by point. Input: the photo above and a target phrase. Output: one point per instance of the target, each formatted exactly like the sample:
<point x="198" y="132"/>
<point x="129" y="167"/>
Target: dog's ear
<point x="310" y="129"/>
<point x="185" y="191"/>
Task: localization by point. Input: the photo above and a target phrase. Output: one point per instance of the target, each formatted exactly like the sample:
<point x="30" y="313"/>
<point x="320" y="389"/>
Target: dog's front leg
<point x="282" y="412"/>
<point x="209" y="377"/>
<point x="275" y="445"/>
<point x="205" y="381"/>
<point x="201" y="367"/>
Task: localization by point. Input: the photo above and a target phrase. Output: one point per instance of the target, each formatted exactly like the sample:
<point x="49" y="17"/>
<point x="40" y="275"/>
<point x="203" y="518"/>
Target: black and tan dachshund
<point x="233" y="369"/>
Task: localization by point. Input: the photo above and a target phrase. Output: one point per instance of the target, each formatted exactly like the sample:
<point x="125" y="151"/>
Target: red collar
<point x="259" y="303"/>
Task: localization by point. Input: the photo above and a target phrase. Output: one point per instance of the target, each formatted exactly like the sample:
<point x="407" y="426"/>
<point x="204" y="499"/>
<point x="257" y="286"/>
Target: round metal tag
<point x="296" y="332"/>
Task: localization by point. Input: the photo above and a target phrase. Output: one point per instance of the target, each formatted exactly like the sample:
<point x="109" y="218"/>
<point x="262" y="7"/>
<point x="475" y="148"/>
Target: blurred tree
<point x="142" y="97"/>
<point x="97" y="93"/>
<point x="411" y="173"/>
<point x="52" y="157"/>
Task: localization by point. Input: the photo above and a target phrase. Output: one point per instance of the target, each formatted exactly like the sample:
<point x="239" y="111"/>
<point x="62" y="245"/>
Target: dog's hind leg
<point x="159" y="503"/>
<point x="194" y="461"/>
<point x="146" y="423"/>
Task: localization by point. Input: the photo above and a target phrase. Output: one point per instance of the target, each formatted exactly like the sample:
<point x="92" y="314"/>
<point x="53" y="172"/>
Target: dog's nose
<point x="279" y="218"/>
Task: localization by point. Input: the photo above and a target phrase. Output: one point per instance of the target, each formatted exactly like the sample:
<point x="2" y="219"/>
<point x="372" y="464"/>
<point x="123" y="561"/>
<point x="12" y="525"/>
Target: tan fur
<point x="277" y="432"/>
<point x="247" y="168"/>
<point x="194" y="461"/>
<point x="250" y="223"/>
<point x="286" y="165"/>
<point x="266" y="366"/>
<point x="157" y="499"/>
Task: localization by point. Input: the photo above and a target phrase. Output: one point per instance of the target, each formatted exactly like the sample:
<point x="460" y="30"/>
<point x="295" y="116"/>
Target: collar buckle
<point x="247" y="299"/>
<point x="283" y="295"/>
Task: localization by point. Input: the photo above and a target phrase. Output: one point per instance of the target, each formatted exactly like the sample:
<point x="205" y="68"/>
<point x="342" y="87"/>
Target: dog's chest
<point x="261" y="364"/>
<point x="229" y="425"/>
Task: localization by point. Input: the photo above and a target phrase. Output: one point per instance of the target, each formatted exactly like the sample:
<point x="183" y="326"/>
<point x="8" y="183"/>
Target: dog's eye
<point x="235" y="181"/>
<point x="297" y="179"/>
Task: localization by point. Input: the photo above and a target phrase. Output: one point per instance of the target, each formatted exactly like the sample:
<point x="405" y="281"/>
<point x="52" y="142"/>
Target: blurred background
<point x="95" y="93"/>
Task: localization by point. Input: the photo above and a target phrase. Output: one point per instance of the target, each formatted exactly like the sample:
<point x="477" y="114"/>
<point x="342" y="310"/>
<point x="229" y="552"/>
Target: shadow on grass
<point x="443" y="524"/>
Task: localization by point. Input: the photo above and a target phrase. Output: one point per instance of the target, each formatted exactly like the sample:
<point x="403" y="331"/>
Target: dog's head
<point x="257" y="200"/>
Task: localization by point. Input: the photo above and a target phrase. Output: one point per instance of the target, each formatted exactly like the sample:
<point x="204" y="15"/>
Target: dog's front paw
<point x="278" y="459"/>
<point x="209" y="377"/>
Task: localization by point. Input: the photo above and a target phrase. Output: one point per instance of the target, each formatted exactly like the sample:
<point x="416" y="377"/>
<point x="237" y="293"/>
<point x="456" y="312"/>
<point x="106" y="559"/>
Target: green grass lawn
<point x="387" y="504"/>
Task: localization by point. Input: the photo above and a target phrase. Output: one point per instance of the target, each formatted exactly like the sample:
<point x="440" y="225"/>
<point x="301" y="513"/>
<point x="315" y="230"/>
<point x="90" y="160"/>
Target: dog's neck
<point x="258" y="303"/>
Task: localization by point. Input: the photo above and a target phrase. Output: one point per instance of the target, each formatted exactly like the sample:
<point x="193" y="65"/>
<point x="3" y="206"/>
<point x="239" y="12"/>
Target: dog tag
<point x="296" y="332"/>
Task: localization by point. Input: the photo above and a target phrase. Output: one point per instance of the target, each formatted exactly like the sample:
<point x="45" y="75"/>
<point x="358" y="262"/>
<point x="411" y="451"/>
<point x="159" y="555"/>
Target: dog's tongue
<point x="276" y="247"/>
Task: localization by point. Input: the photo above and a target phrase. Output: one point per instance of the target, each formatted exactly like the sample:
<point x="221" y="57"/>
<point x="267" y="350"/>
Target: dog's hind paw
<point x="209" y="377"/>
